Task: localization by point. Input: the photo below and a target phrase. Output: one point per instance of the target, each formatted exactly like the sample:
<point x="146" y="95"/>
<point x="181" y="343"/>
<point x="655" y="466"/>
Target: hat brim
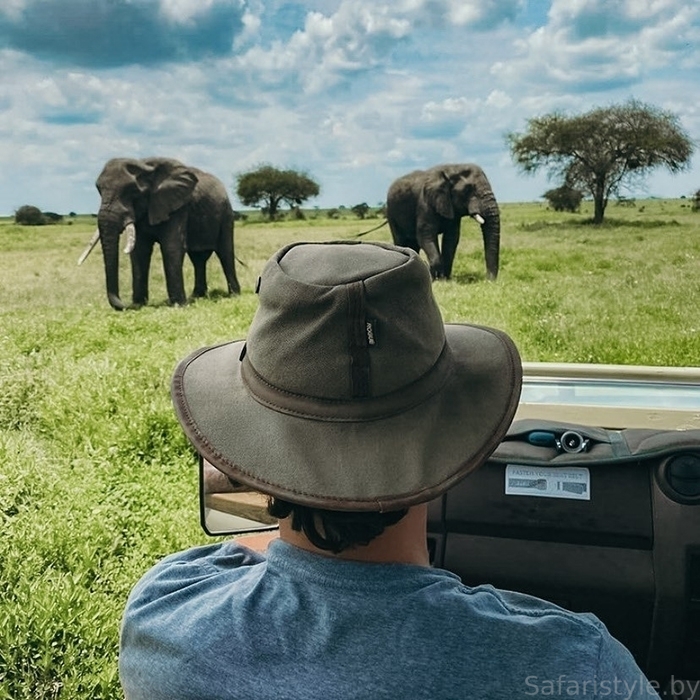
<point x="378" y="465"/>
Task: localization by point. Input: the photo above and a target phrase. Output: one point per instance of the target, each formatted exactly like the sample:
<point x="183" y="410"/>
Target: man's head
<point x="349" y="394"/>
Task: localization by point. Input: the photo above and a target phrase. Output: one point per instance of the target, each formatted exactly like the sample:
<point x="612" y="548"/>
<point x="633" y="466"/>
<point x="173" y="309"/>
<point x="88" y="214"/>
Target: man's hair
<point x="334" y="530"/>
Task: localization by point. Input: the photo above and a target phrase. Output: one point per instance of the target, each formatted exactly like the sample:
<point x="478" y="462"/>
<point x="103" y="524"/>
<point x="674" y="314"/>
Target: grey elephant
<point x="426" y="203"/>
<point x="161" y="200"/>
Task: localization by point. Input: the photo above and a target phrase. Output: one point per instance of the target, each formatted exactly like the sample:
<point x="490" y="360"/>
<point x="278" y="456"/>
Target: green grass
<point x="97" y="481"/>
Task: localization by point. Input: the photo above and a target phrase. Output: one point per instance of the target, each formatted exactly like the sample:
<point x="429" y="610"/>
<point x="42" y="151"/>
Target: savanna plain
<point x="96" y="480"/>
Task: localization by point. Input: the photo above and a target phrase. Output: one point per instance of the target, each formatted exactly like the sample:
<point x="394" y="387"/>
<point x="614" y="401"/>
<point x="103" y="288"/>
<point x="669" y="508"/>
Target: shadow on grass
<point x="467" y="277"/>
<point x="215" y="295"/>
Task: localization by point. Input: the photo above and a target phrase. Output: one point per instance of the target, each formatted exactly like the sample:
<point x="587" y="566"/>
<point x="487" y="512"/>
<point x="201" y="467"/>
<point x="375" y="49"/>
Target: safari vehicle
<point x="592" y="502"/>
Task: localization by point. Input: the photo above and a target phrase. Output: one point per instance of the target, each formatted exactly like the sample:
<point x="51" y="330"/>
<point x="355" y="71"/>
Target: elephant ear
<point x="171" y="189"/>
<point x="438" y="193"/>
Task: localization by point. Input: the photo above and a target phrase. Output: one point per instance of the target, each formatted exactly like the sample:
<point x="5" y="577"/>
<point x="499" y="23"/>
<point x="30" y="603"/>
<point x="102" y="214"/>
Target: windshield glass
<point x="610" y="392"/>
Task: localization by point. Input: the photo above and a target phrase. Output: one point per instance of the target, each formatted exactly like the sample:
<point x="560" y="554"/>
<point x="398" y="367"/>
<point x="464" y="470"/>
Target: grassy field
<point x="96" y="480"/>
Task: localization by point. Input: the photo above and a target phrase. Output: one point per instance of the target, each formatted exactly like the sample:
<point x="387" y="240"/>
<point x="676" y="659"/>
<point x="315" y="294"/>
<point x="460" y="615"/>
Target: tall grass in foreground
<point x="96" y="479"/>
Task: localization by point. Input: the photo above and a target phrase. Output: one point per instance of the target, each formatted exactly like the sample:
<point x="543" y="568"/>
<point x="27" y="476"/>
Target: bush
<point x="696" y="201"/>
<point x="564" y="198"/>
<point x="28" y="215"/>
<point x="333" y="213"/>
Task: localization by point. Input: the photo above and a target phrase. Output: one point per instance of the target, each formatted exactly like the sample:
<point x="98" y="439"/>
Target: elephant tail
<point x="364" y="233"/>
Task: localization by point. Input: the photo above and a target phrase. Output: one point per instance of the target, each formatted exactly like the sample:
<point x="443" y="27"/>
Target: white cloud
<point x="358" y="36"/>
<point x="594" y="42"/>
<point x="13" y="8"/>
<point x="184" y="11"/>
<point x="498" y="100"/>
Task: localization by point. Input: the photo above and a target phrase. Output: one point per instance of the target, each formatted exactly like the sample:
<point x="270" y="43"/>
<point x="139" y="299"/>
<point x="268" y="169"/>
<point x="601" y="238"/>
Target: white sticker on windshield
<point x="548" y="482"/>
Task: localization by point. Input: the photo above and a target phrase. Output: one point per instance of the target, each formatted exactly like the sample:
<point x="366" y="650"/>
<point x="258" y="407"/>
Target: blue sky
<point x="355" y="92"/>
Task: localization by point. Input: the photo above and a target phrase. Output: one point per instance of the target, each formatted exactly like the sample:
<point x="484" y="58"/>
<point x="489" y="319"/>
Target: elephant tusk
<point x="130" y="231"/>
<point x="90" y="246"/>
<point x="479" y="219"/>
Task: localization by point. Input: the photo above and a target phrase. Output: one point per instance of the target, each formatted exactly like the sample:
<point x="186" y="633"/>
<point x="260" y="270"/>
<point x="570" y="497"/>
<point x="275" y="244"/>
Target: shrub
<point x="696" y="201"/>
<point x="564" y="198"/>
<point x="28" y="215"/>
<point x="333" y="213"/>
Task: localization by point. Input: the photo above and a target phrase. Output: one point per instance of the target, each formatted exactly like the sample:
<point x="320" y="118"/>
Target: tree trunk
<point x="599" y="203"/>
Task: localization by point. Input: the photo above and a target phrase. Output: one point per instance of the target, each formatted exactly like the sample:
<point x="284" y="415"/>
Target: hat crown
<point x="344" y="320"/>
<point x="349" y="392"/>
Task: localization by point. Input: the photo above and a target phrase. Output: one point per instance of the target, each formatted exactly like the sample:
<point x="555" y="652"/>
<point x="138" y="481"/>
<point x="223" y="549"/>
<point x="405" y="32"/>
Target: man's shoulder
<point x="515" y="605"/>
<point x="191" y="566"/>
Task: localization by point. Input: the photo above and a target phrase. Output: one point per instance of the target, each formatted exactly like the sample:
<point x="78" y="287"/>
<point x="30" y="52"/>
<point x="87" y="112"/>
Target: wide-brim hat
<point x="349" y="393"/>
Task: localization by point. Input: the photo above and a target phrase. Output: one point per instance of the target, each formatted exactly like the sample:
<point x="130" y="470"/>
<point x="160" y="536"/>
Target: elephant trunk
<point x="109" y="237"/>
<point x="491" y="232"/>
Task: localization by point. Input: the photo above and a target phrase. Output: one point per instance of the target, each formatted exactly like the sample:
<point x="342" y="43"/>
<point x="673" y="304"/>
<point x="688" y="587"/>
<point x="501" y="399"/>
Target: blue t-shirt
<point x="223" y="621"/>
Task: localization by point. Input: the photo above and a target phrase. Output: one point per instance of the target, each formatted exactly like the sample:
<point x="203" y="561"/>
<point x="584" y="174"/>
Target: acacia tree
<point x="360" y="210"/>
<point x="267" y="187"/>
<point x="604" y="149"/>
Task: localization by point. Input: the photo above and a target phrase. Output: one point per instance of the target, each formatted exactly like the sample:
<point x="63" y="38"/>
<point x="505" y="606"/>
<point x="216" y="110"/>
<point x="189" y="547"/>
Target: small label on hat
<point x="370" y="325"/>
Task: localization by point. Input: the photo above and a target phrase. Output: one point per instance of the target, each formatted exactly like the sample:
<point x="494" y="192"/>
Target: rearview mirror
<point x="229" y="508"/>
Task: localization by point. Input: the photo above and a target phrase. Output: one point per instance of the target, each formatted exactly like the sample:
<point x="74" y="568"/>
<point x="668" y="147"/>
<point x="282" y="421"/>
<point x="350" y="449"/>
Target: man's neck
<point x="402" y="543"/>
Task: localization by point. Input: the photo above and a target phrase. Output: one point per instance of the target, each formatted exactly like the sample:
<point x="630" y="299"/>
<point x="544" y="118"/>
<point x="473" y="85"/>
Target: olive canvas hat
<point x="349" y="392"/>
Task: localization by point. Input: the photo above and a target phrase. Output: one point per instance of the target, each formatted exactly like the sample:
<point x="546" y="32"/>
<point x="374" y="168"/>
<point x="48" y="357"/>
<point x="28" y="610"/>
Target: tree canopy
<point x="267" y="187"/>
<point x="360" y="210"/>
<point x="600" y="151"/>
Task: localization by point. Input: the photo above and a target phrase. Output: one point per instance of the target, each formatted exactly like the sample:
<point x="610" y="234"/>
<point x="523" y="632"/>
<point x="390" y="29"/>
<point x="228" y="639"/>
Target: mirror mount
<point x="230" y="508"/>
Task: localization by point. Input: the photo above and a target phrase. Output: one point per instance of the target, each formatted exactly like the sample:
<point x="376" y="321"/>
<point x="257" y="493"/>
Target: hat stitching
<point x="360" y="369"/>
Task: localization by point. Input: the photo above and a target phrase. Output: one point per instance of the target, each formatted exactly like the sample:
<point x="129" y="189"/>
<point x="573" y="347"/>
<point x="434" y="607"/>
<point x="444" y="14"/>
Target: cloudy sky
<point x="355" y="92"/>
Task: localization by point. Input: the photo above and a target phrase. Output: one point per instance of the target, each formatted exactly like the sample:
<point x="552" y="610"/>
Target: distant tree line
<point x="596" y="154"/>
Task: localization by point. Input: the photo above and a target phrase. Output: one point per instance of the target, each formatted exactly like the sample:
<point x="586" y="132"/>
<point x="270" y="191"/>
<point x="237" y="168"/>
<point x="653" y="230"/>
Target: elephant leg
<point x="450" y="239"/>
<point x="403" y="237"/>
<point x="173" y="253"/>
<point x="140" y="268"/>
<point x="227" y="265"/>
<point x="199" y="261"/>
<point x="429" y="244"/>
